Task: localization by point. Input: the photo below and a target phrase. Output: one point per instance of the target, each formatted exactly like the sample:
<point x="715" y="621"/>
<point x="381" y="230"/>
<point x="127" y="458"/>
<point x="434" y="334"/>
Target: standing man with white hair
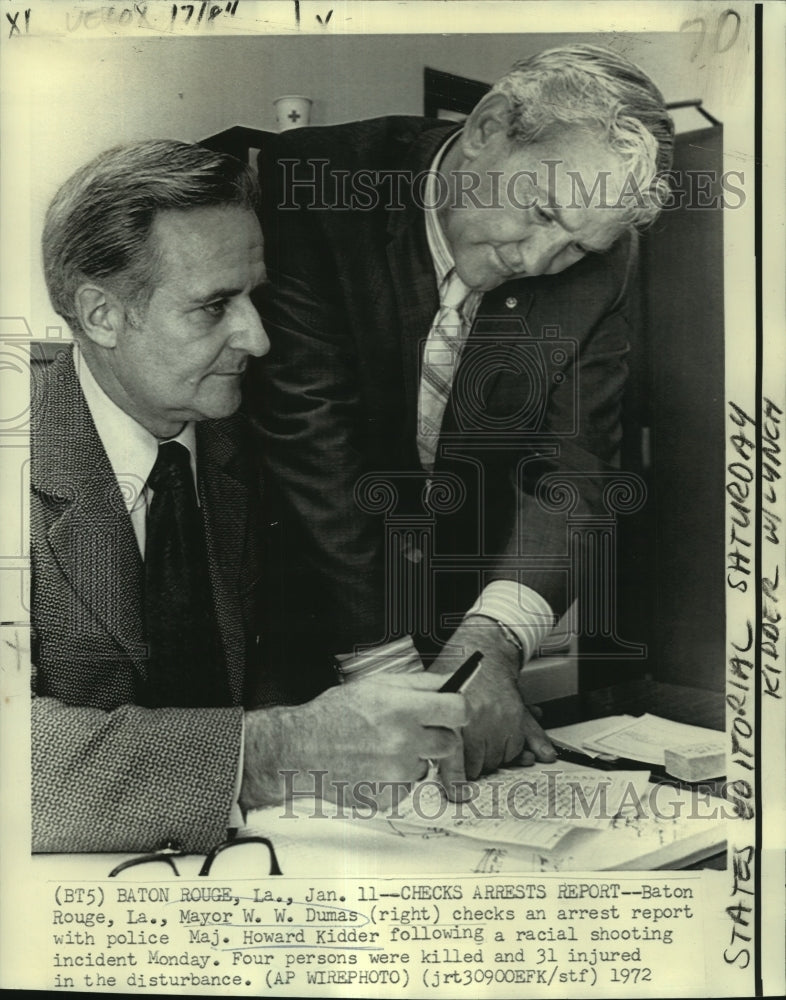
<point x="447" y="314"/>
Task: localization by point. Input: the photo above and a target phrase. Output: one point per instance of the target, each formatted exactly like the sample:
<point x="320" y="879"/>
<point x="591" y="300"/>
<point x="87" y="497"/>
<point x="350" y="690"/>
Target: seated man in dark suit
<point x="153" y="717"/>
<point x="448" y="319"/>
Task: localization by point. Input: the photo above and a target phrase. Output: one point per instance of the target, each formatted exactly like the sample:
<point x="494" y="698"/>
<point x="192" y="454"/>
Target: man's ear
<point x="100" y="313"/>
<point x="488" y="122"/>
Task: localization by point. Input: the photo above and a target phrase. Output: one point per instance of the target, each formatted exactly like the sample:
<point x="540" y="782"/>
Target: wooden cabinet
<point x="671" y="553"/>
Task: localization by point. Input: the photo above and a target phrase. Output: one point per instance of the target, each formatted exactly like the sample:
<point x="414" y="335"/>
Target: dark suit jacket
<point x="108" y="775"/>
<point x="351" y="300"/>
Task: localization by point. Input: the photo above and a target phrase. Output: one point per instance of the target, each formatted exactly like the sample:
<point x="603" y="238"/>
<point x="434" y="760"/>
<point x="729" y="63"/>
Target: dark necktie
<point x="186" y="664"/>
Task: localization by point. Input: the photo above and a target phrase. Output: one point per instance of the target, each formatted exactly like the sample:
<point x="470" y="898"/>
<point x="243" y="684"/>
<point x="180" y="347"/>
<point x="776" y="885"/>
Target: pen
<point x="467" y="669"/>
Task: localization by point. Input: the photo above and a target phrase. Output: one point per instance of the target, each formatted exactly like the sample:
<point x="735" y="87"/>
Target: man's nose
<point x="538" y="253"/>
<point x="249" y="334"/>
<point x="512" y="256"/>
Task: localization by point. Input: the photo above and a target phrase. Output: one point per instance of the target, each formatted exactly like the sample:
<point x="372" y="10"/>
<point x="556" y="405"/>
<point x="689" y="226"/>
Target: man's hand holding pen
<point x="500" y="728"/>
<point x="365" y="742"/>
<point x="357" y="742"/>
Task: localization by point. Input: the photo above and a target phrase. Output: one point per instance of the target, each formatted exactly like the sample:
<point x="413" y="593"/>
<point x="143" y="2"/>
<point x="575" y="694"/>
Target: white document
<point x="528" y="806"/>
<point x="648" y="737"/>
<point x="661" y="826"/>
<point x="575" y="736"/>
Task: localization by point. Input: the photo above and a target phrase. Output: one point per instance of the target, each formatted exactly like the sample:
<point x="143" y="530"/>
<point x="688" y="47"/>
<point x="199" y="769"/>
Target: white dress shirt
<point x="131" y="449"/>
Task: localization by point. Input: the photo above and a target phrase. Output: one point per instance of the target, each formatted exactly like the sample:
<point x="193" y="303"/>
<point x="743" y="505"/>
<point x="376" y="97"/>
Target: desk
<point x="695" y="706"/>
<point x="692" y="706"/>
<point x="682" y="704"/>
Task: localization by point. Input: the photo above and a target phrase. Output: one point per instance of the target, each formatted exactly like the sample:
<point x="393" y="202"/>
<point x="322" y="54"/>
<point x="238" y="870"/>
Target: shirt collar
<point x="444" y="265"/>
<point x="130" y="447"/>
<point x="437" y="244"/>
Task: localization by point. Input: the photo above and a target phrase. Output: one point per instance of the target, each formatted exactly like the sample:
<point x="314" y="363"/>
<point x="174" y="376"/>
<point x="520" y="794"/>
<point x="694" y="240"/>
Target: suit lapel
<point x="225" y="496"/>
<point x="500" y="317"/>
<point x="95" y="547"/>
<point x="412" y="269"/>
<point x="90" y="534"/>
<point x="416" y="296"/>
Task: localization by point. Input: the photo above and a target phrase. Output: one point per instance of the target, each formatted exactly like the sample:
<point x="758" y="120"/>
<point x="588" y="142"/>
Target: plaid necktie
<point x="440" y="361"/>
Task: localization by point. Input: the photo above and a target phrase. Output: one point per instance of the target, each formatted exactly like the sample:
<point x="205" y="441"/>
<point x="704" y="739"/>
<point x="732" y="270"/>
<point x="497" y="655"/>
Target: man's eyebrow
<point x="227" y="292"/>
<point x="550" y="202"/>
<point x="560" y="217"/>
<point x="217" y="293"/>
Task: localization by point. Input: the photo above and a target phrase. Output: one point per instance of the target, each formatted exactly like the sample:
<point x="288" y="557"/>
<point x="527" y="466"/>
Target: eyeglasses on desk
<point x="224" y="859"/>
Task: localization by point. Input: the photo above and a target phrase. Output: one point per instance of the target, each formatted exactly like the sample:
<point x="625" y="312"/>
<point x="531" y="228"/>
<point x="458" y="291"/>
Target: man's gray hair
<point x="590" y="87"/>
<point x="98" y="225"/>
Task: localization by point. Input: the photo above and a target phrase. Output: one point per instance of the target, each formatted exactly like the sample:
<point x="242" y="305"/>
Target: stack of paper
<point x="698" y="753"/>
<point x="578" y="736"/>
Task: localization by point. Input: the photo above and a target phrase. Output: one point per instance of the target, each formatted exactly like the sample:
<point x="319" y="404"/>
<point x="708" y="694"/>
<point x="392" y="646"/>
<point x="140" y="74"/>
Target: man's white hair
<point x="589" y="87"/>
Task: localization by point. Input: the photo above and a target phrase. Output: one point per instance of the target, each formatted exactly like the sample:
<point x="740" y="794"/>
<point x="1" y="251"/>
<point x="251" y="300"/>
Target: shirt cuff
<point x="524" y="611"/>
<point x="236" y="817"/>
<point x="397" y="657"/>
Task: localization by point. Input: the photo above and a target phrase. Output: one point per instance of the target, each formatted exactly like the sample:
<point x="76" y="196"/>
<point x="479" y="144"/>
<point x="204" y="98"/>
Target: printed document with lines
<point x="648" y="826"/>
<point x="535" y="806"/>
